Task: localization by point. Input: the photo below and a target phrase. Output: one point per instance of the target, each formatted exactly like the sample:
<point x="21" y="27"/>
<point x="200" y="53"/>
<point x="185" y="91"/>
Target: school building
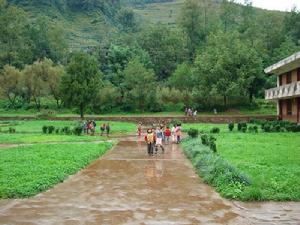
<point x="287" y="92"/>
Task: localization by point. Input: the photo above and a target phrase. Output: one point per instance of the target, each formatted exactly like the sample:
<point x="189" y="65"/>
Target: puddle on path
<point x="127" y="186"/>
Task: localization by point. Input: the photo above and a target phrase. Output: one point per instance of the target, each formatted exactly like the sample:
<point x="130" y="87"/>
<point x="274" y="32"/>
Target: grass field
<point x="270" y="160"/>
<point x="35" y="126"/>
<point x="29" y="170"/>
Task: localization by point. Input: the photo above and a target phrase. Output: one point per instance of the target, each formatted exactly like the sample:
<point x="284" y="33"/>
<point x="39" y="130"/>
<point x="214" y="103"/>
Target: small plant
<point x="193" y="133"/>
<point x="51" y="129"/>
<point x="241" y="125"/>
<point x="266" y="128"/>
<point x="66" y="130"/>
<point x="244" y="129"/>
<point x="204" y="139"/>
<point x="45" y="129"/>
<point x="212" y="144"/>
<point x="231" y="126"/>
<point x="11" y="130"/>
<point x="253" y="129"/>
<point x="57" y="130"/>
<point x="215" y="130"/>
<point x="77" y="130"/>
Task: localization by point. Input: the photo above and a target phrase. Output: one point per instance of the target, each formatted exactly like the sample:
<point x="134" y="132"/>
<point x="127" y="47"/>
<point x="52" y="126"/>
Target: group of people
<point x="157" y="137"/>
<point x="89" y="127"/>
<point x="190" y="112"/>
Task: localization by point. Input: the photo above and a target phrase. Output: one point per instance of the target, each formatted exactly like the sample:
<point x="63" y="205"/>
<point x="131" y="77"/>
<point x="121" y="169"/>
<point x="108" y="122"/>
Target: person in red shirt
<point x="168" y="134"/>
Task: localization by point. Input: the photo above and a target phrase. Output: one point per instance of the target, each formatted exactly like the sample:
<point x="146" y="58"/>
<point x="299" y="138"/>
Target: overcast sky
<point x="283" y="5"/>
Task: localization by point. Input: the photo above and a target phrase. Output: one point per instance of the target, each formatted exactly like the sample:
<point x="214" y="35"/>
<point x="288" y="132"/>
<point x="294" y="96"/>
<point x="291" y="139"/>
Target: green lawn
<point x="42" y="138"/>
<point x="27" y="171"/>
<point x="270" y="160"/>
<point x="35" y="126"/>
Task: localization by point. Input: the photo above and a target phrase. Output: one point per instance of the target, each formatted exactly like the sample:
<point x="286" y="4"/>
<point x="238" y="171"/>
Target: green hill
<point x="167" y="11"/>
<point x="85" y="24"/>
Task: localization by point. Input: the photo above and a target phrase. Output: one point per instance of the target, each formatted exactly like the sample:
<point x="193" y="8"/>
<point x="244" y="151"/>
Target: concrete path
<point x="128" y="187"/>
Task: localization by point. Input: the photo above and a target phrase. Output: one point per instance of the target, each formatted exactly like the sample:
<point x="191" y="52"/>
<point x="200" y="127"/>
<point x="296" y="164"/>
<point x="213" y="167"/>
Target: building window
<point x="289" y="110"/>
<point x="298" y="74"/>
<point x="289" y="78"/>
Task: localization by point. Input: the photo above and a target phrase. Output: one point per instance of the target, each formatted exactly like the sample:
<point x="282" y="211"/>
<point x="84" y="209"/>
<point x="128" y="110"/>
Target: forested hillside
<point x="148" y="56"/>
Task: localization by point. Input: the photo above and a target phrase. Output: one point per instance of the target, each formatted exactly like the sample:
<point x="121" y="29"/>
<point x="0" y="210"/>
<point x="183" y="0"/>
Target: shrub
<point x="51" y="129"/>
<point x="213" y="168"/>
<point x="77" y="130"/>
<point x="66" y="130"/>
<point x="244" y="129"/>
<point x="212" y="144"/>
<point x="11" y="130"/>
<point x="266" y="128"/>
<point x="253" y="129"/>
<point x="231" y="126"/>
<point x="241" y="125"/>
<point x="204" y="139"/>
<point x="45" y="129"/>
<point x="57" y="130"/>
<point x="193" y="133"/>
<point x="215" y="130"/>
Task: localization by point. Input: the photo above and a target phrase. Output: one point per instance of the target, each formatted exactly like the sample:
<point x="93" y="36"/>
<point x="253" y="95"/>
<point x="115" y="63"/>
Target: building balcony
<point x="282" y="92"/>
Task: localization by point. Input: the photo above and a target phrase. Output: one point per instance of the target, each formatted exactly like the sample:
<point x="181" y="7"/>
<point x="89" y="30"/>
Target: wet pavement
<point x="128" y="187"/>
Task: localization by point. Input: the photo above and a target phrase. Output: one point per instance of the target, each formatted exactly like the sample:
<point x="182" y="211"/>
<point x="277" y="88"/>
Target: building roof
<point x="288" y="64"/>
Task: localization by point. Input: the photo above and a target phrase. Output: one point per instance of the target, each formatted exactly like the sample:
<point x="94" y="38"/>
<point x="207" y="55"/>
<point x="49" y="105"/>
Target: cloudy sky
<point x="282" y="5"/>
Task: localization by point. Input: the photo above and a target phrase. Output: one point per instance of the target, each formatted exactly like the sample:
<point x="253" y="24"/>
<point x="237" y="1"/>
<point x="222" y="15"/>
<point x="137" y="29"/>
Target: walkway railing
<point x="285" y="91"/>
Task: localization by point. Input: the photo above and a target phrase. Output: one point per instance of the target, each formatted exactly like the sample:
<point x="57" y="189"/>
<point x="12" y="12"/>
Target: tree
<point x="228" y="14"/>
<point x="182" y="77"/>
<point x="165" y="47"/>
<point x="138" y="82"/>
<point x="54" y="79"/>
<point x="14" y="45"/>
<point x="292" y="24"/>
<point x="82" y="81"/>
<point x="227" y="67"/>
<point x="35" y="80"/>
<point x="127" y="19"/>
<point x="192" y="24"/>
<point x="10" y="83"/>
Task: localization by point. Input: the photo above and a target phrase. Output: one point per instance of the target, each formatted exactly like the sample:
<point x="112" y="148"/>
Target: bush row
<point x="276" y="126"/>
<point x="65" y="130"/>
<point x="213" y="169"/>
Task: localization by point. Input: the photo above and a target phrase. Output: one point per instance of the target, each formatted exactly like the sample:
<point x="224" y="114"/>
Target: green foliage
<point x="193" y="133"/>
<point x="214" y="170"/>
<point x="231" y="126"/>
<point x="45" y="129"/>
<point x="78" y="130"/>
<point x="50" y="165"/>
<point x="82" y="82"/>
<point x="266" y="160"/>
<point x="241" y="125"/>
<point x="11" y="130"/>
<point x="244" y="129"/>
<point x="51" y="129"/>
<point x="215" y="130"/>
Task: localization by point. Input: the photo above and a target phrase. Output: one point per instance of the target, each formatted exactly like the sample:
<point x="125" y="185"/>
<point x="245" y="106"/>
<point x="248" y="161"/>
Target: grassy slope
<point x="168" y="12"/>
<point x="83" y="29"/>
<point x="271" y="160"/>
<point x="27" y="171"/>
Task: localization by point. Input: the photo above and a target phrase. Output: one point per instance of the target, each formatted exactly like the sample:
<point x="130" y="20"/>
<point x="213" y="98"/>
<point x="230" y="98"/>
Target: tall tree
<point x="228" y="14"/>
<point x="166" y="49"/>
<point x="139" y="81"/>
<point x="10" y="83"/>
<point x="81" y="84"/>
<point x="191" y="22"/>
<point x="292" y="24"/>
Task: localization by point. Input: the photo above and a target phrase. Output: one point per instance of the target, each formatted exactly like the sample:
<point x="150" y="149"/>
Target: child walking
<point x="159" y="140"/>
<point x="150" y="140"/>
<point x="173" y="134"/>
<point x="139" y="129"/>
<point x="167" y="134"/>
<point x="178" y="133"/>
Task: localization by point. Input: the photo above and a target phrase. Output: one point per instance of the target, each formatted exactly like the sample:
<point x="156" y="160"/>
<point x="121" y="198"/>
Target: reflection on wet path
<point x="128" y="187"/>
